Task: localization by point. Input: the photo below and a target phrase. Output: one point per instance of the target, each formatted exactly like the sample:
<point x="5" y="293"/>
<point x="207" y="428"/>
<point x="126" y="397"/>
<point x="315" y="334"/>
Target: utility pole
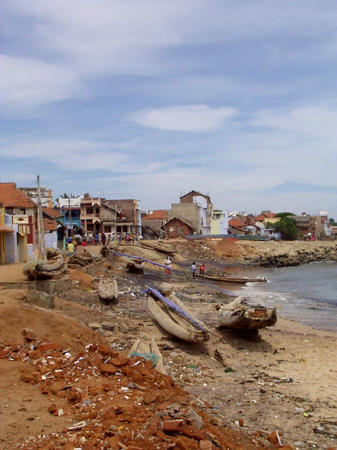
<point x="70" y="220"/>
<point x="115" y="220"/>
<point x="42" y="246"/>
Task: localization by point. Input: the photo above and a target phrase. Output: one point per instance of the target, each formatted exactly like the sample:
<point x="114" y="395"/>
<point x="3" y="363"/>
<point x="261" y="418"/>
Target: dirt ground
<point x="282" y="380"/>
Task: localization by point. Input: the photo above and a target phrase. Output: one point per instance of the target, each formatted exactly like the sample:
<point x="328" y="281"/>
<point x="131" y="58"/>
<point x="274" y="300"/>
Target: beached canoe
<point x="108" y="290"/>
<point x="173" y="316"/>
<point x="135" y="266"/>
<point x="241" y="280"/>
<point x="242" y="315"/>
<point x="159" y="248"/>
<point x="44" y="270"/>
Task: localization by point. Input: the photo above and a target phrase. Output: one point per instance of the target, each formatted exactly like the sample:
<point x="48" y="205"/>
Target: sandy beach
<point x="282" y="380"/>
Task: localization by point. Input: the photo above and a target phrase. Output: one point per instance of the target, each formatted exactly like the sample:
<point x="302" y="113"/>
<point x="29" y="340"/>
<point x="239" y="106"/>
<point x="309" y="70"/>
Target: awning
<point x="6" y="229"/>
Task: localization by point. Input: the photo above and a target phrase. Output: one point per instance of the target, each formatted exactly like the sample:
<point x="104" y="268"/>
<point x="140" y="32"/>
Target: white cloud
<point x="126" y="36"/>
<point x="78" y="155"/>
<point x="26" y="82"/>
<point x="195" y="118"/>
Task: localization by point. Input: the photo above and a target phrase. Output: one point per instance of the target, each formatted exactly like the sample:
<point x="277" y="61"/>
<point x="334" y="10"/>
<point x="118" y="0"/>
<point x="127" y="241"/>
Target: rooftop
<point x="12" y="197"/>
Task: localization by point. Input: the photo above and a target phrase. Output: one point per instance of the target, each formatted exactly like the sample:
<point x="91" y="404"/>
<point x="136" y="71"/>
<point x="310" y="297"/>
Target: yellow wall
<point x="2" y="237"/>
<point x="271" y="220"/>
<point x="215" y="226"/>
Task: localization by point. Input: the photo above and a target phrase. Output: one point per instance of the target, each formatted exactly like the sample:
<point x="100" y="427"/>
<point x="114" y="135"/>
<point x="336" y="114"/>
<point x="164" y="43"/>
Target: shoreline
<point x="282" y="379"/>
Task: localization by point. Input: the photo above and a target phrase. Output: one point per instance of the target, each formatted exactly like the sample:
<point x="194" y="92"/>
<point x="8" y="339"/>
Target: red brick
<point x="48" y="346"/>
<point x="119" y="361"/>
<point x="107" y="368"/>
<point x="173" y="426"/>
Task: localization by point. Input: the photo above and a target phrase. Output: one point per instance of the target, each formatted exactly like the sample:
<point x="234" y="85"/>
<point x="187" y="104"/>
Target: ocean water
<point x="306" y="293"/>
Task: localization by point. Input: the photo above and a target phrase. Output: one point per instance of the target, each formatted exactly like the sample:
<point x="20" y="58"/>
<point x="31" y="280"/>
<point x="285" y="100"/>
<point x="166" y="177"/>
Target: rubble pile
<point x="114" y="402"/>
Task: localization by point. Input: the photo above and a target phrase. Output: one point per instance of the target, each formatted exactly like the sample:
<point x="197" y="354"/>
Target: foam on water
<point x="306" y="293"/>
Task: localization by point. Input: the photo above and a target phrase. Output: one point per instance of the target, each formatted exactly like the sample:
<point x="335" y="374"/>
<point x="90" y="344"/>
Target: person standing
<point x="168" y="264"/>
<point x="202" y="269"/>
<point x="70" y="249"/>
<point x="194" y="269"/>
<point x="103" y="237"/>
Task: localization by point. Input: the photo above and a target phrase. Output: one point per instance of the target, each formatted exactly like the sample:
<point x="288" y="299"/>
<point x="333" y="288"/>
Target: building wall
<point x="45" y="195"/>
<point x="219" y="223"/>
<point x="187" y="211"/>
<point x="176" y="228"/>
<point x="154" y="224"/>
<point x="50" y="239"/>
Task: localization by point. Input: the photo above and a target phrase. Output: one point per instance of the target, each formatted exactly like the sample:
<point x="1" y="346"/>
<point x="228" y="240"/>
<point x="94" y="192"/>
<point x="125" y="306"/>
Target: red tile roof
<point x="260" y="218"/>
<point x="52" y="212"/>
<point x="235" y="222"/>
<point x="157" y="214"/>
<point x="11" y="197"/>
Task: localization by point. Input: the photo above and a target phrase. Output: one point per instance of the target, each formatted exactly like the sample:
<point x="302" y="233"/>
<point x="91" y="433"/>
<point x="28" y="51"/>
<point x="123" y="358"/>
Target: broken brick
<point x="173" y="426"/>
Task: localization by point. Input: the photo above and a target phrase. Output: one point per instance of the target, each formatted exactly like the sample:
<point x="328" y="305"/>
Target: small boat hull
<point x="231" y="279"/>
<point x="173" y="322"/>
<point x="240" y="315"/>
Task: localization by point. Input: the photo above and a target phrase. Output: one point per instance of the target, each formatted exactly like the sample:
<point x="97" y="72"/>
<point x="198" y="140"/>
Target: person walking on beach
<point x="194" y="269"/>
<point x="168" y="264"/>
<point x="103" y="238"/>
<point x="202" y="269"/>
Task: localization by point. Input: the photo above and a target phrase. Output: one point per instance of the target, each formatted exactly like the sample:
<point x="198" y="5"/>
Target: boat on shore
<point x="242" y="315"/>
<point x="160" y="248"/>
<point x="240" y="280"/>
<point x="135" y="266"/>
<point x="108" y="290"/>
<point x="172" y="315"/>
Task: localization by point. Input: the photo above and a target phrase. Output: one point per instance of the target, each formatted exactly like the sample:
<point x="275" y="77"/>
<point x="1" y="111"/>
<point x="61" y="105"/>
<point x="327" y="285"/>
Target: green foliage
<point x="270" y="225"/>
<point x="332" y="221"/>
<point x="284" y="214"/>
<point x="287" y="227"/>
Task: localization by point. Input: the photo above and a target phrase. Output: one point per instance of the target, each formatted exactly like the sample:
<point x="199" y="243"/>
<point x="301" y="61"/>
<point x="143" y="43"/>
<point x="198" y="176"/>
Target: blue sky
<point x="150" y="99"/>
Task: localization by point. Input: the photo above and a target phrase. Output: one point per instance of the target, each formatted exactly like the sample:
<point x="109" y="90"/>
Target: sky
<point x="150" y="99"/>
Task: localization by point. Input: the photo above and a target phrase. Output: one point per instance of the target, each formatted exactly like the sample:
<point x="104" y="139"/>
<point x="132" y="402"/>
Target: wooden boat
<point x="172" y="316"/>
<point x="241" y="280"/>
<point x="44" y="270"/>
<point x="242" y="315"/>
<point x="135" y="266"/>
<point x="159" y="248"/>
<point x="108" y="290"/>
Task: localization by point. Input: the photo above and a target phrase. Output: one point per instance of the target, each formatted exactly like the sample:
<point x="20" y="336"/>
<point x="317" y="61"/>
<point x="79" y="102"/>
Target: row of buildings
<point x="192" y="215"/>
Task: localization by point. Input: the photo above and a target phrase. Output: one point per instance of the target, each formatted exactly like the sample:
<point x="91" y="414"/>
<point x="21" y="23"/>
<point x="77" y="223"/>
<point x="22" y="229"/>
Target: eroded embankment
<point x="275" y="254"/>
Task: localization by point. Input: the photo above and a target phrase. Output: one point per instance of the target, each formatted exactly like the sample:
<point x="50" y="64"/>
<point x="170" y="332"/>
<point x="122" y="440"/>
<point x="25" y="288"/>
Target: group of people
<point x="168" y="267"/>
<point x="98" y="239"/>
<point x="105" y="238"/>
<point x="202" y="269"/>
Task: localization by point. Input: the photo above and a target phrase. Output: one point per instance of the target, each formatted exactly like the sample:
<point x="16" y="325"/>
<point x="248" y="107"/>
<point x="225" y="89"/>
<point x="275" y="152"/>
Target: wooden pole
<point x="42" y="246"/>
<point x="115" y="221"/>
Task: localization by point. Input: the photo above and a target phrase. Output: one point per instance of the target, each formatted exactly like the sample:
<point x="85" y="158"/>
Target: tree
<point x="332" y="221"/>
<point x="287" y="227"/>
<point x="284" y="214"/>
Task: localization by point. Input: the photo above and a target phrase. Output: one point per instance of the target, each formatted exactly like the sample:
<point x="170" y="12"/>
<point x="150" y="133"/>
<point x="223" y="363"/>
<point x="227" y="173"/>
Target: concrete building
<point x="128" y="215"/>
<point x="45" y="195"/>
<point x="91" y="220"/>
<point x="20" y="215"/>
<point x="195" y="209"/>
<point x="219" y="224"/>
<point x="71" y="212"/>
